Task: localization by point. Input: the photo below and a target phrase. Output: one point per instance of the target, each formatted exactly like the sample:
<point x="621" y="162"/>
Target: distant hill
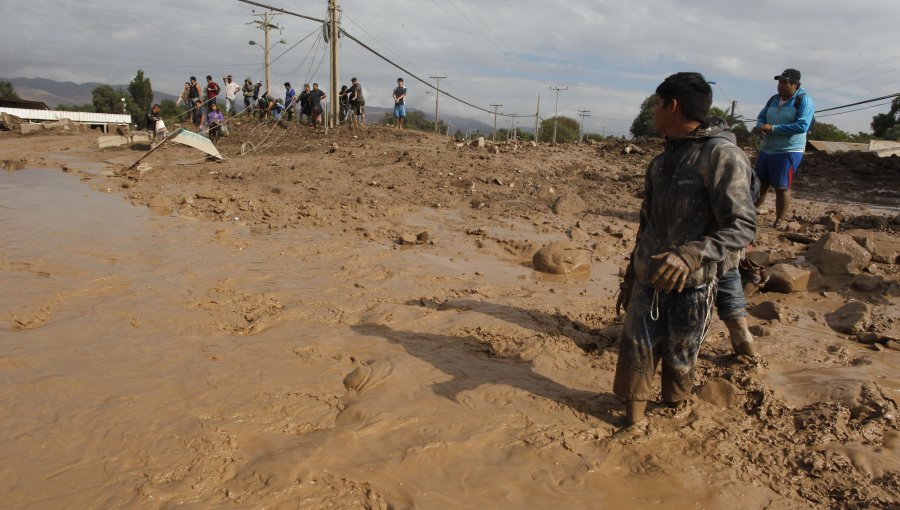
<point x="54" y="93"/>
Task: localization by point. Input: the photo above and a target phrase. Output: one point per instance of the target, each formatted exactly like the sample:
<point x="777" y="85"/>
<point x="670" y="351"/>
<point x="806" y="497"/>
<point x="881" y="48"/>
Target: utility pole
<point x="537" y="118"/>
<point x="266" y="25"/>
<point x="733" y="106"/>
<point x="494" y="132"/>
<point x="334" y="29"/>
<point x="437" y="96"/>
<point x="582" y="114"/>
<point x="556" y="112"/>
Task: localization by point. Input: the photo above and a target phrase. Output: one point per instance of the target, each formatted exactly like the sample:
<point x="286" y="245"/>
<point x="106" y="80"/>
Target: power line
<point x="855" y="110"/>
<point x="859" y="102"/>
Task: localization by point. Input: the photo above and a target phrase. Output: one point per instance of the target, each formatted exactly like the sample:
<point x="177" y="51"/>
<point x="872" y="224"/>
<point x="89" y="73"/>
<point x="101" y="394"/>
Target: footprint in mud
<point x="366" y="375"/>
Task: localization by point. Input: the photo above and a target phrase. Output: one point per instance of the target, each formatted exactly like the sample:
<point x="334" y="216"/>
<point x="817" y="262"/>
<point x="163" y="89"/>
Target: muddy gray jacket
<point x="697" y="203"/>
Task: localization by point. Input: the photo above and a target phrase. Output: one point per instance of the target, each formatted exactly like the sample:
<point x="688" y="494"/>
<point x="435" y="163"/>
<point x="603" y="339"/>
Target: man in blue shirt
<point x="289" y="100"/>
<point x="783" y="124"/>
<point x="400" y="103"/>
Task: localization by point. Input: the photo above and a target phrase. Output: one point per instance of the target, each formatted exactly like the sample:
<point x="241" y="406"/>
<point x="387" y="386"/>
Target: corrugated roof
<point x="83" y="117"/>
<point x="832" y="147"/>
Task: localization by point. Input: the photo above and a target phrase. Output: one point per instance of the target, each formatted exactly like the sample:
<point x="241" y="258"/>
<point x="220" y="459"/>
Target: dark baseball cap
<point x="790" y="75"/>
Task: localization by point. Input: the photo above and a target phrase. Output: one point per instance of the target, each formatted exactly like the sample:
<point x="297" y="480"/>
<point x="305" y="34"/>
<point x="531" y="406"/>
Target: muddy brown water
<point x="155" y="361"/>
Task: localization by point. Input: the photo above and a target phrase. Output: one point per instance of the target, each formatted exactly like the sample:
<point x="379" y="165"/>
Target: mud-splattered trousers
<point x="697" y="204"/>
<point x="667" y="327"/>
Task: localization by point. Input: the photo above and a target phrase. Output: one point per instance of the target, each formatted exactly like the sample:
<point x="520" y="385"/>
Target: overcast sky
<point x="610" y="54"/>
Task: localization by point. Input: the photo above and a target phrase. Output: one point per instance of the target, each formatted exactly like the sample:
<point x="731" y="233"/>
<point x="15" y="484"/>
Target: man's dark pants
<point x="674" y="337"/>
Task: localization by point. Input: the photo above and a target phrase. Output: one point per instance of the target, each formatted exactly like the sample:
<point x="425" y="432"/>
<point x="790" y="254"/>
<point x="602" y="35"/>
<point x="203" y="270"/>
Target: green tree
<point x="109" y="100"/>
<point x="416" y="120"/>
<point x="566" y="129"/>
<point x="170" y="111"/>
<point x="882" y="122"/>
<point x="893" y="133"/>
<point x="76" y="108"/>
<point x="828" y="133"/>
<point x="7" y="90"/>
<point x="142" y="93"/>
<point x="643" y="123"/>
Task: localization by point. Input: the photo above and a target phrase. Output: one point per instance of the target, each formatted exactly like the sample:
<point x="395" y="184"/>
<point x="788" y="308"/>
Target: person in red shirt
<point x="212" y="90"/>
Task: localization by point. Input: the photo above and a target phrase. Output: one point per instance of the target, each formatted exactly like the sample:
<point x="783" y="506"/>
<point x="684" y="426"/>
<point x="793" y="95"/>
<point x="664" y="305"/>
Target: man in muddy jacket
<point x="697" y="211"/>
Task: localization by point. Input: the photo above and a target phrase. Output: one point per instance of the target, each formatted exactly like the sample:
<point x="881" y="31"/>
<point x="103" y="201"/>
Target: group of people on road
<point x="698" y="217"/>
<point x="200" y="102"/>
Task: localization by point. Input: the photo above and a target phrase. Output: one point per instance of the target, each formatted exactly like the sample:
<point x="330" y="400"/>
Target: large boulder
<point x="568" y="205"/>
<point x="850" y="318"/>
<point x="9" y="122"/>
<point x="561" y="258"/>
<point x="836" y="254"/>
<point x="787" y="278"/>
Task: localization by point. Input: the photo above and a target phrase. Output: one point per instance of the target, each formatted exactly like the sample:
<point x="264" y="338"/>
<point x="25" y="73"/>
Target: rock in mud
<point x="561" y="258"/>
<point x="477" y="142"/>
<point x="837" y="253"/>
<point x="768" y="310"/>
<point x="850" y="318"/>
<point x="884" y="249"/>
<point x="866" y="282"/>
<point x="408" y="238"/>
<point x="720" y="392"/>
<point x="893" y="345"/>
<point x="759" y="257"/>
<point x="761" y="330"/>
<point x="578" y="236"/>
<point x="787" y="278"/>
<point x="568" y="205"/>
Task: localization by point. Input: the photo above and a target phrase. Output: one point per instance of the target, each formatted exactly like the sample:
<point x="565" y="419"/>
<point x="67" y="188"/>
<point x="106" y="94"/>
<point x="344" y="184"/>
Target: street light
<point x="733" y="102"/>
<point x="266" y="55"/>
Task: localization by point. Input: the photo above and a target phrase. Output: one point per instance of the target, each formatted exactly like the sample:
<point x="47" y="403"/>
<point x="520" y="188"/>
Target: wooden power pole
<point x="582" y="114"/>
<point x="266" y="25"/>
<point x="334" y="30"/>
<point x="494" y="132"/>
<point x="437" y="97"/>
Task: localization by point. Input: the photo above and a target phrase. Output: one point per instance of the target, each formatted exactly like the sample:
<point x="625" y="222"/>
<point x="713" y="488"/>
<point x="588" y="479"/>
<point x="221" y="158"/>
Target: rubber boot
<point x="634" y="411"/>
<point x="782" y="206"/>
<point x="741" y="339"/>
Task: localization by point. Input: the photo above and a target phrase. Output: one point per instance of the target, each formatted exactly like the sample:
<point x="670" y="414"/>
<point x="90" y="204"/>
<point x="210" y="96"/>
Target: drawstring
<point x="711" y="289"/>
<point x="654" y="306"/>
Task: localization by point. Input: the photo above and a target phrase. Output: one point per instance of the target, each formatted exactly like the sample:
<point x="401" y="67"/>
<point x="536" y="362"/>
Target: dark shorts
<point x="674" y="338"/>
<point x="358" y="108"/>
<point x="777" y="170"/>
<point x="730" y="301"/>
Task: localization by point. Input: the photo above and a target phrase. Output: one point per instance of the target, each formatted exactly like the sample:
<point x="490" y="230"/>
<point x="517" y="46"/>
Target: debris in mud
<point x="561" y="258"/>
<point x="850" y="318"/>
<point x="569" y="205"/>
<point x="768" y="310"/>
<point x="836" y="254"/>
<point x="787" y="279"/>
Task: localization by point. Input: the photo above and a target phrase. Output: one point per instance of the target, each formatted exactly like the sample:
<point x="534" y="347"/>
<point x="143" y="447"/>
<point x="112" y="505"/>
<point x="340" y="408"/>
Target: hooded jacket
<point x="697" y="203"/>
<point x="790" y="122"/>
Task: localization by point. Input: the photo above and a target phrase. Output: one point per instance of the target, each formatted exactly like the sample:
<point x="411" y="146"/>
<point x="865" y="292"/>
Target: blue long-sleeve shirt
<point x="790" y="123"/>
<point x="288" y="97"/>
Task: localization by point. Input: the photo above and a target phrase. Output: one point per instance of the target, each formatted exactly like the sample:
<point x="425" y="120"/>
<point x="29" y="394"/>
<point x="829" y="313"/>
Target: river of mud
<point x="149" y="359"/>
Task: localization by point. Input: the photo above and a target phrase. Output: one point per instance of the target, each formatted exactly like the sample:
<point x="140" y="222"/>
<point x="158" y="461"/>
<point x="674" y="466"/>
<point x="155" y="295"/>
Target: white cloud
<point x="611" y="53"/>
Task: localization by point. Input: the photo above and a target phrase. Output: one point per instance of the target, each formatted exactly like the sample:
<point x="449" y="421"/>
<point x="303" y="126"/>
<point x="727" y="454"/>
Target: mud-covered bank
<point x="252" y="333"/>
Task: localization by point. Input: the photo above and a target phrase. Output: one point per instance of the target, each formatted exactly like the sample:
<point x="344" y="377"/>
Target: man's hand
<point x="672" y="273"/>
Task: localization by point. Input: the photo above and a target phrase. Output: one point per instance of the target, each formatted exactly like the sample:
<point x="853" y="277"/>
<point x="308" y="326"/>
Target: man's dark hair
<point x="208" y="77"/>
<point x="194" y="78"/>
<point x="287" y="84"/>
<point x="692" y="92"/>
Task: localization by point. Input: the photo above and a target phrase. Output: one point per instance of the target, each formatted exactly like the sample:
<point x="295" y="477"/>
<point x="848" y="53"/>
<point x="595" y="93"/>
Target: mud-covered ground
<point x="351" y="320"/>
